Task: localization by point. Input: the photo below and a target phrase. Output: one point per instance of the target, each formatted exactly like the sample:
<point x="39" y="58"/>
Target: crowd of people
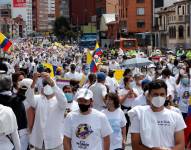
<point x="91" y="111"/>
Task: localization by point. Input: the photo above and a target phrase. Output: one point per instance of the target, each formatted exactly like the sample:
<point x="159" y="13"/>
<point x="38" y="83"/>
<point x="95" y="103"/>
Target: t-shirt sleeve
<point x="105" y="126"/>
<point x="67" y="126"/>
<point x="123" y="120"/>
<point x="135" y="125"/>
<point x="180" y="124"/>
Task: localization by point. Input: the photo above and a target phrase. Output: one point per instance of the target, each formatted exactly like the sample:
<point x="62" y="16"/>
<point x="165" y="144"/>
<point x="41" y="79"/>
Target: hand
<point x="36" y="76"/>
<point x="47" y="77"/>
<point x="123" y="144"/>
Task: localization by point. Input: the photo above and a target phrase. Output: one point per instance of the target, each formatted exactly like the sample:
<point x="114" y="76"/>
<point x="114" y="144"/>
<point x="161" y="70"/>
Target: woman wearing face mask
<point x="117" y="121"/>
<point x="126" y="97"/>
<point x="184" y="93"/>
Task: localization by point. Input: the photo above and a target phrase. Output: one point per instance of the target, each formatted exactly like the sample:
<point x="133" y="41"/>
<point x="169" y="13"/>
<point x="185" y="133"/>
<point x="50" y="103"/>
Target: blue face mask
<point x="185" y="81"/>
<point x="69" y="97"/>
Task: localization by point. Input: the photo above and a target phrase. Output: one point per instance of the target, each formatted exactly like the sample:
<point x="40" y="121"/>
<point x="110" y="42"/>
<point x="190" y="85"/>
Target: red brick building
<point x="135" y="15"/>
<point x="81" y="11"/>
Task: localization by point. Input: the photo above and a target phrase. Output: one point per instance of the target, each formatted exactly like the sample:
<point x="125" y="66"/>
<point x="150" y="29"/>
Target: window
<point x="140" y="1"/>
<point x="181" y="32"/>
<point x="140" y="11"/>
<point x="140" y="23"/>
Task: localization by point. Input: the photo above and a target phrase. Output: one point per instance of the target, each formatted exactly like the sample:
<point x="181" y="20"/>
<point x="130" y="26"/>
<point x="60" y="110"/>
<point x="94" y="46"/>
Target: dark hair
<point x="126" y="79"/>
<point x="66" y="87"/>
<point x="92" y="77"/>
<point x="3" y="67"/>
<point x="15" y="77"/>
<point x="114" y="97"/>
<point x="111" y="73"/>
<point x="127" y="72"/>
<point x="166" y="72"/>
<point x="157" y="84"/>
<point x="47" y="70"/>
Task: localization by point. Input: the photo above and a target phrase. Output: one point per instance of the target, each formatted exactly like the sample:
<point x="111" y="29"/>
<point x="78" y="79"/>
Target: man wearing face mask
<point x="154" y="127"/>
<point x="138" y="80"/>
<point x="49" y="110"/>
<point x="87" y="126"/>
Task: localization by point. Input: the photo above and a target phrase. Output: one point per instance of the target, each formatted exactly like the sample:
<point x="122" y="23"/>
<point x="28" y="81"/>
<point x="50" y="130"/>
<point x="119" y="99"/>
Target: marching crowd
<point x="92" y="111"/>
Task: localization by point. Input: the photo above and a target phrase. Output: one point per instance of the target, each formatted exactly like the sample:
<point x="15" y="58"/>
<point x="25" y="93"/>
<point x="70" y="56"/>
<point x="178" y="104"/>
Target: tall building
<point x="40" y="15"/>
<point x="65" y="9"/>
<point x="23" y="9"/>
<point x="135" y="16"/>
<point x="106" y="7"/>
<point x="51" y="14"/>
<point x="81" y="11"/>
<point x="58" y="8"/>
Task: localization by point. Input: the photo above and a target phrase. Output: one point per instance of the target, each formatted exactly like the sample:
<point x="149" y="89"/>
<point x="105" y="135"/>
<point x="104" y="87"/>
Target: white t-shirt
<point x="87" y="131"/>
<point x="73" y="76"/>
<point x="117" y="120"/>
<point x="140" y="101"/>
<point x="184" y="94"/>
<point x="99" y="92"/>
<point x="157" y="129"/>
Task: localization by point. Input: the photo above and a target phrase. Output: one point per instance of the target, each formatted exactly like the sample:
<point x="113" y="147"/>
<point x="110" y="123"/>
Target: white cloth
<point x="184" y="94"/>
<point x="48" y="118"/>
<point x="155" y="125"/>
<point x="8" y="126"/>
<point x="99" y="92"/>
<point x="117" y="121"/>
<point x="140" y="101"/>
<point x="73" y="76"/>
<point x="112" y="84"/>
<point x="87" y="131"/>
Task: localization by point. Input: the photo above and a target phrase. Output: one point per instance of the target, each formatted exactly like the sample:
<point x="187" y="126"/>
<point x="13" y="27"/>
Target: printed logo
<point x="83" y="131"/>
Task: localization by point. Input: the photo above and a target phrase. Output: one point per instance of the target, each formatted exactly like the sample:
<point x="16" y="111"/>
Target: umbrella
<point x="136" y="62"/>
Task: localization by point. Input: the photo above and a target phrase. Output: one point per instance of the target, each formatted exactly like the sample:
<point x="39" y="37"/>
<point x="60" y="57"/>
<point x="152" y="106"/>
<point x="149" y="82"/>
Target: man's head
<point x="101" y="77"/>
<point x="17" y="77"/>
<point x="47" y="89"/>
<point x="138" y="78"/>
<point x="85" y="99"/>
<point x="166" y="73"/>
<point x="157" y="94"/>
<point x="72" y="67"/>
<point x="5" y="83"/>
<point x="67" y="89"/>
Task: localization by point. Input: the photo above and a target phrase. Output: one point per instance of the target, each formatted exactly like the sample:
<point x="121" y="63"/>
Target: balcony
<point x="183" y="19"/>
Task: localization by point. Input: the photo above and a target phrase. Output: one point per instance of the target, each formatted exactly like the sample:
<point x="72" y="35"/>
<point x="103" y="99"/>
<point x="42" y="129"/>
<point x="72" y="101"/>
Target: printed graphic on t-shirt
<point x="186" y="95"/>
<point x="163" y="123"/>
<point x="83" y="131"/>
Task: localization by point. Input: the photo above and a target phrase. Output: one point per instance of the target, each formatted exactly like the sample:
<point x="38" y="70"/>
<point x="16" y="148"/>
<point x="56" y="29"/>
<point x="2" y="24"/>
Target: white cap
<point x="25" y="82"/>
<point x="84" y="93"/>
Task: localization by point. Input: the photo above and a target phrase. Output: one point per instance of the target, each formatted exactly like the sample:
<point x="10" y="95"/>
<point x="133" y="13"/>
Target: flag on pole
<point x="5" y="44"/>
<point x="98" y="51"/>
<point x="93" y="67"/>
<point x="88" y="57"/>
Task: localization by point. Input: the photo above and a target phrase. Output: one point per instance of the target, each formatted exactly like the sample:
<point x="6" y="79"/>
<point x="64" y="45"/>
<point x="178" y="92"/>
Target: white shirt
<point x="49" y="115"/>
<point x="140" y="101"/>
<point x="99" y="92"/>
<point x="73" y="76"/>
<point x="184" y="94"/>
<point x="87" y="131"/>
<point x="156" y="125"/>
<point x="112" y="84"/>
<point x="117" y="121"/>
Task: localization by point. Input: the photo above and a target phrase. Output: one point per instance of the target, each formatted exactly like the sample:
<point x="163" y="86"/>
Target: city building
<point x="51" y="14"/>
<point x="174" y="26"/>
<point x="58" y="8"/>
<point x="135" y="16"/>
<point x="40" y="15"/>
<point x="82" y="11"/>
<point x="65" y="9"/>
<point x="106" y="7"/>
<point x="23" y="9"/>
<point x="12" y="28"/>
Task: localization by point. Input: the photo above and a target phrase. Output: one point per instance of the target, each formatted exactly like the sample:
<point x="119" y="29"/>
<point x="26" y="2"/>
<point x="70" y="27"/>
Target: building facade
<point x="58" y="7"/>
<point x="81" y="11"/>
<point x="51" y="14"/>
<point x="23" y="9"/>
<point x="40" y="15"/>
<point x="174" y="25"/>
<point x="65" y="9"/>
<point x="135" y="16"/>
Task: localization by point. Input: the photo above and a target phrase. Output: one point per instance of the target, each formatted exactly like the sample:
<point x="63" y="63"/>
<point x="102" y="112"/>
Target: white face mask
<point x="158" y="101"/>
<point x="48" y="90"/>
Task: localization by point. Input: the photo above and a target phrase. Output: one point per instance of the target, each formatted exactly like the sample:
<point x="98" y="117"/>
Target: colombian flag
<point x="5" y="44"/>
<point x="98" y="50"/>
<point x="93" y="67"/>
<point x="88" y="57"/>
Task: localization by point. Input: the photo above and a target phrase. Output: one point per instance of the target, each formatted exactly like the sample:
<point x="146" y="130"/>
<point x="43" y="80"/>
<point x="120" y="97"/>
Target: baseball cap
<point x="25" y="82"/>
<point x="101" y="76"/>
<point x="84" y="93"/>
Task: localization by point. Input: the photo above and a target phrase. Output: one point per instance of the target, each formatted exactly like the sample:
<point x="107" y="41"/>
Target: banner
<point x="19" y="3"/>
